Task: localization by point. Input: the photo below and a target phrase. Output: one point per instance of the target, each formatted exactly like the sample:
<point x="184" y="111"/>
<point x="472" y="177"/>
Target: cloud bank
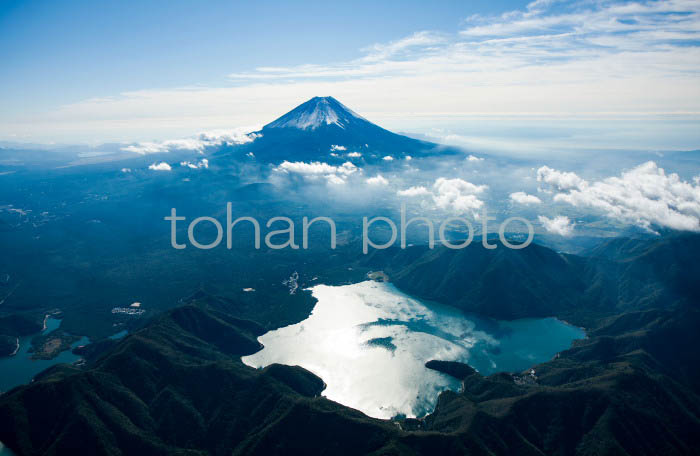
<point x="645" y="196"/>
<point x="198" y="143"/>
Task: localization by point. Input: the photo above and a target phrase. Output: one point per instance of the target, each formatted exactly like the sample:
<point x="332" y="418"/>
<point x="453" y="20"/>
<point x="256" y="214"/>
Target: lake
<point x="4" y="451"/>
<point x="20" y="369"/>
<point x="369" y="342"/>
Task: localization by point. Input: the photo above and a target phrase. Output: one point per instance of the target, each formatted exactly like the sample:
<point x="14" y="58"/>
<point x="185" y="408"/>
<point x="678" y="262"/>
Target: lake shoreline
<point x="20" y="369"/>
<point x="16" y="348"/>
<point x="370" y="342"/>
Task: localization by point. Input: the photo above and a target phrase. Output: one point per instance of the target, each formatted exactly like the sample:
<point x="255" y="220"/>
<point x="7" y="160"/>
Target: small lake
<point x="20" y="369"/>
<point x="369" y="342"/>
<point x="4" y="451"/>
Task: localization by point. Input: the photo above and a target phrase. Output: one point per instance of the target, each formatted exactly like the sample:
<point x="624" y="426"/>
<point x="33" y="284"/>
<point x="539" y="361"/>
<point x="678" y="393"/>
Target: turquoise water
<point x="4" y="451"/>
<point x="119" y="335"/>
<point x="20" y="369"/>
<point x="369" y="342"/>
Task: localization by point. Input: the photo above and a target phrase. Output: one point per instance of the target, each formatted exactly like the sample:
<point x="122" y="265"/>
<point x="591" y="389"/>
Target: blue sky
<point x="124" y="71"/>
<point x="58" y="52"/>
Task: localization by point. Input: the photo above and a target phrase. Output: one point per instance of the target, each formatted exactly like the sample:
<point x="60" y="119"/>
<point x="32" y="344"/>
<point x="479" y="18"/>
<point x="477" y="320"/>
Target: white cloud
<point x="160" y="147"/>
<point x="644" y="196"/>
<point x="126" y="170"/>
<point x="377" y="180"/>
<point x="524" y="198"/>
<point x="347" y="168"/>
<point x="388" y="158"/>
<point x="162" y="166"/>
<point x="560" y="225"/>
<point x="336" y="147"/>
<point x="199" y="143"/>
<point x="334" y="179"/>
<point x="414" y="191"/>
<point x="457" y="194"/>
<point x="473" y="158"/>
<point x="380" y="52"/>
<point x="560" y="180"/>
<point x="354" y="155"/>
<point x="408" y="158"/>
<point x="315" y="170"/>
<point x="312" y="168"/>
<point x="203" y="163"/>
<point x="581" y="58"/>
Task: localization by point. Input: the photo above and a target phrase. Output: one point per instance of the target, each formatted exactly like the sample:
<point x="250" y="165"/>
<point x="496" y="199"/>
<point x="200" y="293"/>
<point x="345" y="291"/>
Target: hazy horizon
<point x="112" y="78"/>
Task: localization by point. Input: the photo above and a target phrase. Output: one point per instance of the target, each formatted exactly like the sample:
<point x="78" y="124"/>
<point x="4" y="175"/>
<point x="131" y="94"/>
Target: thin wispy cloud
<point x="552" y="58"/>
<point x="647" y="35"/>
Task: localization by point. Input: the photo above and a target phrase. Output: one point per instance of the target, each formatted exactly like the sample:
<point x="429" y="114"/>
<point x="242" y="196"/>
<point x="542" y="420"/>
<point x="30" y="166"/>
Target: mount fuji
<point x="319" y="112"/>
<point x="323" y="128"/>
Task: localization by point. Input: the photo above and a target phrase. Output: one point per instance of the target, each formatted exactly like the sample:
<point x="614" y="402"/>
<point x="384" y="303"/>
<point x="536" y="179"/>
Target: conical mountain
<point x="323" y="129"/>
<point x="320" y="112"/>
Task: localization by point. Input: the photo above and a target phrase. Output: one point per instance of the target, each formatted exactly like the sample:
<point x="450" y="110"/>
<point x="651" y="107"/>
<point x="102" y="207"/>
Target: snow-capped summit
<point x="324" y="130"/>
<point x="315" y="113"/>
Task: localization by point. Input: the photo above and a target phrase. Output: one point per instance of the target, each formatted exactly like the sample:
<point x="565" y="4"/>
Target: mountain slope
<point x="178" y="386"/>
<point x="323" y="125"/>
<point x="656" y="271"/>
<point x="318" y="112"/>
<point x="501" y="283"/>
<point x="618" y="277"/>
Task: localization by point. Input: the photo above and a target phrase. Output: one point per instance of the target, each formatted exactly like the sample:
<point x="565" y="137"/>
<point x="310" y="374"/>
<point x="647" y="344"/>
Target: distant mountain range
<point x="323" y="126"/>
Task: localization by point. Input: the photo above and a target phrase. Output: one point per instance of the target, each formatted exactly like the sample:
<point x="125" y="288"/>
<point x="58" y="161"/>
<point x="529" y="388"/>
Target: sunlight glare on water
<point x="369" y="342"/>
